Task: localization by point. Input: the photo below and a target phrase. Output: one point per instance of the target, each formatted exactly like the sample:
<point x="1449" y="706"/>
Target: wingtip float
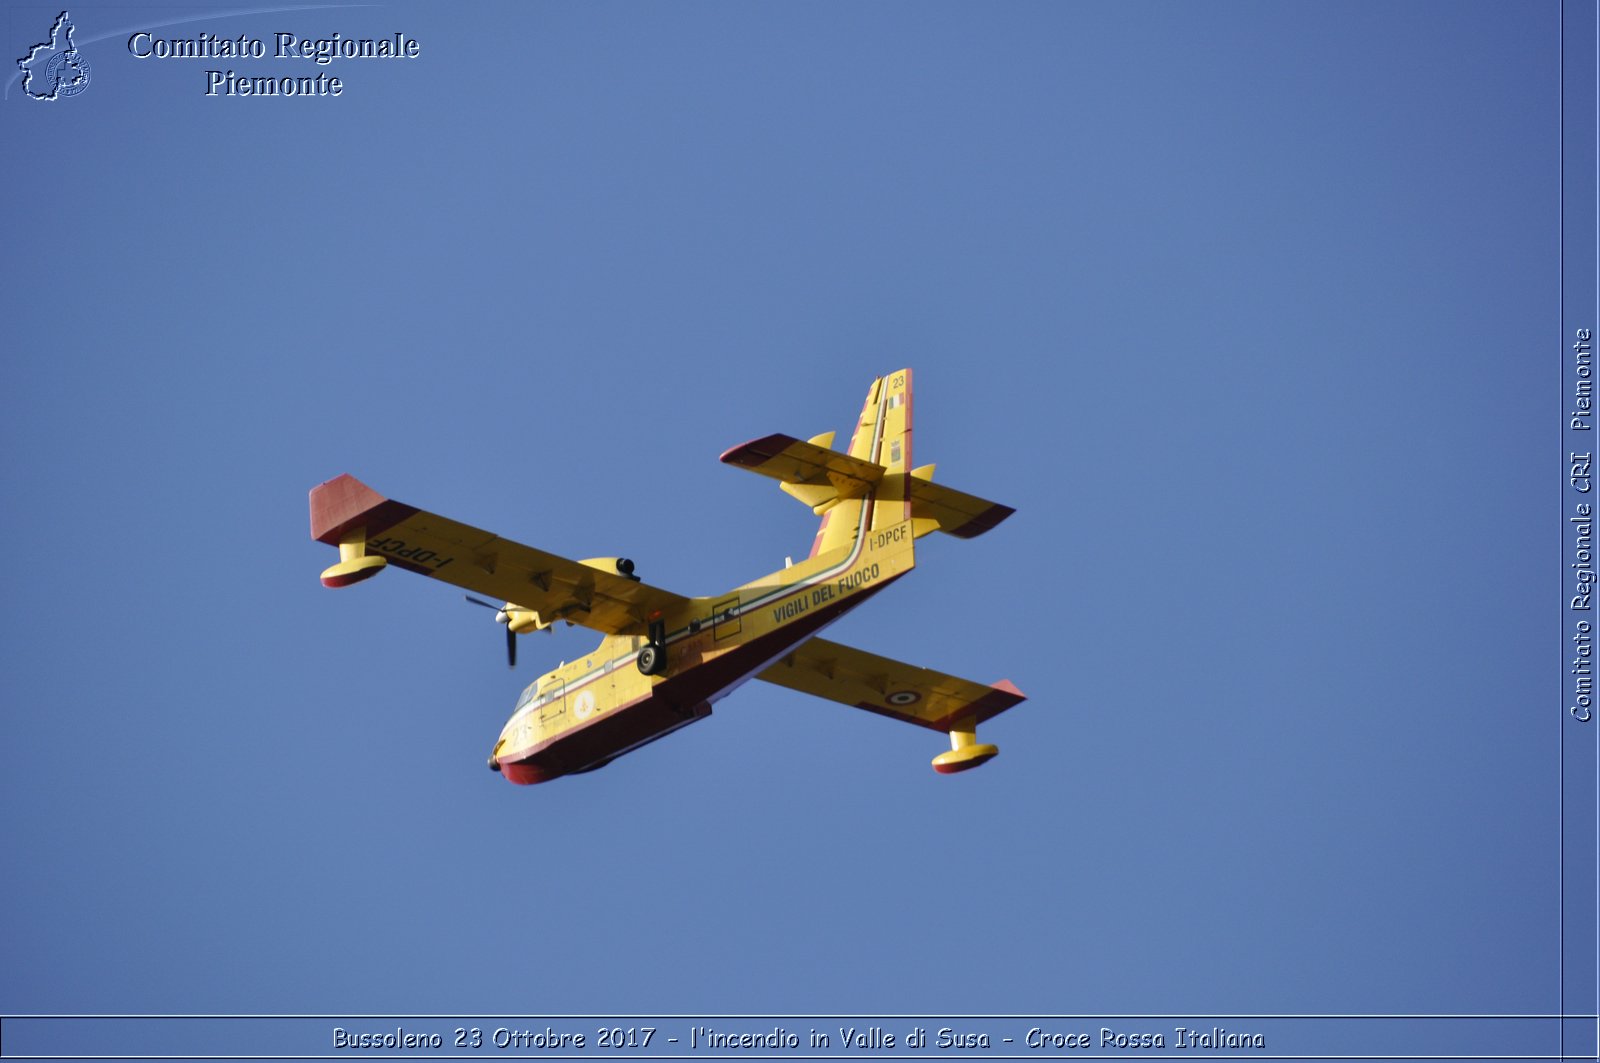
<point x="665" y="658"/>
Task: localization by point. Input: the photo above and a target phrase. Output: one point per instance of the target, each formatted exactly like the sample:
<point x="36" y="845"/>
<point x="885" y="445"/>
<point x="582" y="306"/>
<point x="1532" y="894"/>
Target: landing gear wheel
<point x="653" y="658"/>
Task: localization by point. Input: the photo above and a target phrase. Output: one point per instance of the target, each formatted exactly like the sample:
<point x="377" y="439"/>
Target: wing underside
<point x="890" y="688"/>
<point x="346" y="511"/>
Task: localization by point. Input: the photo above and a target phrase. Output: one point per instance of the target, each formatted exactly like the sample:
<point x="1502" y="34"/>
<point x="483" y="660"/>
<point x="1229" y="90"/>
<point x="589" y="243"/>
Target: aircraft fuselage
<point x="592" y="710"/>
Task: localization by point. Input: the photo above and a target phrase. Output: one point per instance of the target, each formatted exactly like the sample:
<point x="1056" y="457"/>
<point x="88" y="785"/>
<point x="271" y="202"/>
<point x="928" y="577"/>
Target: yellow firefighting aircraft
<point x="666" y="658"/>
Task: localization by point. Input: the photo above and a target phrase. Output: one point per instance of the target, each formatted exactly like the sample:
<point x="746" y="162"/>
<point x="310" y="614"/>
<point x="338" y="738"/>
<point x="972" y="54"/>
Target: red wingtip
<point x="344" y="502"/>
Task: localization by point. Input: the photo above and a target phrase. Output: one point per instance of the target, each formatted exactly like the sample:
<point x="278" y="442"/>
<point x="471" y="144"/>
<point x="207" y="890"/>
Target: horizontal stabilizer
<point x="958" y="513"/>
<point x="798" y="463"/>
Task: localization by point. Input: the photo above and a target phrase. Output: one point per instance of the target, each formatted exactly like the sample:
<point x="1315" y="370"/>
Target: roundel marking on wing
<point x="903" y="697"/>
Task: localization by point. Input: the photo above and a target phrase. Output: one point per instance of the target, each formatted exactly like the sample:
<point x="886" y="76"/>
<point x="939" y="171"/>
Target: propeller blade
<point x="501" y="618"/>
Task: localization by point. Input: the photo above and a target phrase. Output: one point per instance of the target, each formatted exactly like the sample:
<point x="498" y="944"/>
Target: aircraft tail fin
<point x="873" y="480"/>
<point x="882" y="436"/>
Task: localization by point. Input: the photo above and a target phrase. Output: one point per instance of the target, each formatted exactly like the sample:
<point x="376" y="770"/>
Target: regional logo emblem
<point x="55" y="69"/>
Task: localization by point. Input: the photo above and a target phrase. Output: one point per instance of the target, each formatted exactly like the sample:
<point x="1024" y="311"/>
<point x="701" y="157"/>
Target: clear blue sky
<point x="1244" y="306"/>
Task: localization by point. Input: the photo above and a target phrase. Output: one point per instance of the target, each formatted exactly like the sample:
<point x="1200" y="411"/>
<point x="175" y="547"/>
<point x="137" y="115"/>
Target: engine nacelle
<point x="521" y="620"/>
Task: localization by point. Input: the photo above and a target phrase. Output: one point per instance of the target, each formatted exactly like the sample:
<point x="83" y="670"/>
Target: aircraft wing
<point x="888" y="687"/>
<point x="795" y="461"/>
<point x="345" y="510"/>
